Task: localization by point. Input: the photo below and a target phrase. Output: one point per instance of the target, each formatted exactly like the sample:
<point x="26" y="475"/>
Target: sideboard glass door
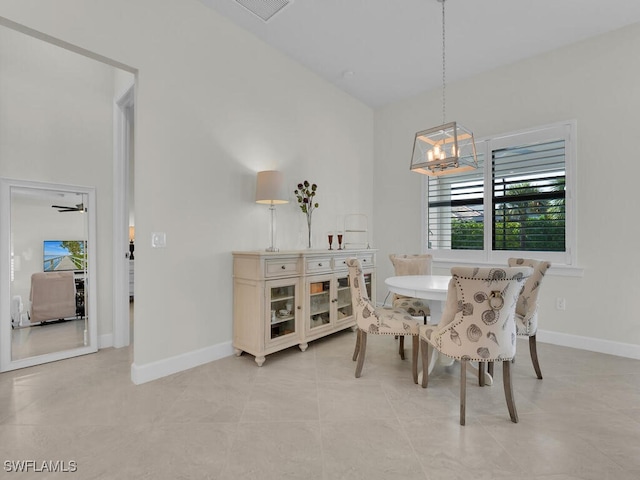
<point x="319" y="303"/>
<point x="283" y="310"/>
<point x="345" y="309"/>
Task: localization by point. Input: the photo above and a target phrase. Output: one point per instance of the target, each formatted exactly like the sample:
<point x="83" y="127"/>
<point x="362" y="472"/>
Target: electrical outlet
<point x="561" y="303"/>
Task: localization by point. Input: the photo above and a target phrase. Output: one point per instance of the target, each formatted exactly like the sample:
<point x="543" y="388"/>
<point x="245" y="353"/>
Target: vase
<point x="309" y="232"/>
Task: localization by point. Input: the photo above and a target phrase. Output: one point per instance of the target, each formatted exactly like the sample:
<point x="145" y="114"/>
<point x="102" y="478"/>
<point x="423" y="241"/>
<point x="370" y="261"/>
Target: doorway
<point x="124" y="218"/>
<point x="58" y="110"/>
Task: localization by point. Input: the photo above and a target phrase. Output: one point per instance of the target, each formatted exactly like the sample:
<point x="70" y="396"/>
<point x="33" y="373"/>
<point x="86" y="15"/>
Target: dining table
<point x="432" y="288"/>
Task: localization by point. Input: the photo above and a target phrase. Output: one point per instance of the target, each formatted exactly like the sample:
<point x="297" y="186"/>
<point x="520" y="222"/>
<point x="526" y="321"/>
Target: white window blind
<point x="528" y="197"/>
<point x="518" y="200"/>
<point x="456" y="211"/>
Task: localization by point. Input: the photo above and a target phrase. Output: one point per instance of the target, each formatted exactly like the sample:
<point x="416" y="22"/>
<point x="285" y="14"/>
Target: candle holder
<point x="339" y="241"/>
<point x="330" y="237"/>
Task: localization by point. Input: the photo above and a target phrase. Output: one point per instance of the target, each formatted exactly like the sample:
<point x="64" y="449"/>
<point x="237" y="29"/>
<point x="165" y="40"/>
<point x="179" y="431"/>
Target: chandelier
<point x="448" y="148"/>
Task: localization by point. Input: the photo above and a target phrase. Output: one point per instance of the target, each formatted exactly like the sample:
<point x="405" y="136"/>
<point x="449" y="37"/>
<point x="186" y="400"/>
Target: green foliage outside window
<point x="536" y="223"/>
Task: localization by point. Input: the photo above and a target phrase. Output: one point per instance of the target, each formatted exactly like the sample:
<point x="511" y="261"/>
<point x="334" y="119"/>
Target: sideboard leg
<point x="237" y="352"/>
<point x="303" y="346"/>
<point x="260" y="361"/>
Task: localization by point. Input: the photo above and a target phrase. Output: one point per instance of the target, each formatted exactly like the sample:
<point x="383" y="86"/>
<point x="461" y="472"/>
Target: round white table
<point x="432" y="288"/>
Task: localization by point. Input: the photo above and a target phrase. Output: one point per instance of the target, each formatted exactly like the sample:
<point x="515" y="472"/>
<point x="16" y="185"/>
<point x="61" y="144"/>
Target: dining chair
<point x="478" y="324"/>
<point x="412" y="264"/>
<point x="527" y="307"/>
<point x="377" y="320"/>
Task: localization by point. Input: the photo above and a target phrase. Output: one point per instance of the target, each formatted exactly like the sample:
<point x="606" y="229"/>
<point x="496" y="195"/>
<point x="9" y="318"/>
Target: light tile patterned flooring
<point x="305" y="416"/>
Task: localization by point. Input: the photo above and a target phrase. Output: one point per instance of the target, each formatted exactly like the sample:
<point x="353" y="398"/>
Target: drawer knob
<point x="283" y="267"/>
<point x="319" y="264"/>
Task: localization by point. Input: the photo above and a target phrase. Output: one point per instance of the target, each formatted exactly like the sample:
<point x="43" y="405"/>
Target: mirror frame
<point x="6" y="362"/>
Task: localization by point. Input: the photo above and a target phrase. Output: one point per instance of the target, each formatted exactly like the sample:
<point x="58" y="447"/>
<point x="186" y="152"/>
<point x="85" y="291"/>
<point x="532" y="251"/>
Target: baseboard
<point x="154" y="370"/>
<point x="105" y="341"/>
<point x="162" y="368"/>
<point x="618" y="349"/>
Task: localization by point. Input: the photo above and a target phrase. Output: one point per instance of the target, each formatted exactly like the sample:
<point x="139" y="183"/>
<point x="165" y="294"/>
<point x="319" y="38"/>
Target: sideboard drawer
<point x="340" y="263"/>
<point x="278" y="268"/>
<point x="317" y="265"/>
<point x="366" y="260"/>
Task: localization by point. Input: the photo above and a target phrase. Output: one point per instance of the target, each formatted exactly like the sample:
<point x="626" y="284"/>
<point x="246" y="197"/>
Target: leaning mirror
<point x="48" y="287"/>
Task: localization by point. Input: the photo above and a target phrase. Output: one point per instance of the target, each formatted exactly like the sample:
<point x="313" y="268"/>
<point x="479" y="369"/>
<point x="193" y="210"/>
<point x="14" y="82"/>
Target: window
<point x="518" y="202"/>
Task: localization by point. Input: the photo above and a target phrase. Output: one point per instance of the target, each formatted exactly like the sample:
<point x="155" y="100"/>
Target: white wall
<point x="214" y="106"/>
<point x="56" y="122"/>
<point x="596" y="82"/>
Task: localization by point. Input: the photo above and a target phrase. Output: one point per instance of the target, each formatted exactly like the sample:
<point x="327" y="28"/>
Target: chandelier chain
<point x="444" y="111"/>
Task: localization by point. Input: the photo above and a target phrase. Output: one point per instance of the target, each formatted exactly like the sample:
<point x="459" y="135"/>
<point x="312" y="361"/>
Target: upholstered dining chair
<point x="411" y="264"/>
<point x="478" y="324"/>
<point x="527" y="307"/>
<point x="377" y="320"/>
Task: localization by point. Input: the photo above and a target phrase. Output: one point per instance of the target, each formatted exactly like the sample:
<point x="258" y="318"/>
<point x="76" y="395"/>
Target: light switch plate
<point x="158" y="239"/>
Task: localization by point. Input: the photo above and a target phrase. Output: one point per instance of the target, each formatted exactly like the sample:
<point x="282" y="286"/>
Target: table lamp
<point x="270" y="191"/>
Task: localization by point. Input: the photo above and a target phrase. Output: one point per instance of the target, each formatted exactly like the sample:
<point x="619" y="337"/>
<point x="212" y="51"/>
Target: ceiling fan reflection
<point x="78" y="208"/>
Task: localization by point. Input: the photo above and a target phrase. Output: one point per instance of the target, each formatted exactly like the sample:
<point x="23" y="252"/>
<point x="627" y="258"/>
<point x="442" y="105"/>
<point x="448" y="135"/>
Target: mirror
<point x="48" y="307"/>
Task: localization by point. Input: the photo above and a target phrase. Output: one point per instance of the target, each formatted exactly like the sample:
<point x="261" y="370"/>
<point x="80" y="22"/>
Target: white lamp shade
<point x="270" y="188"/>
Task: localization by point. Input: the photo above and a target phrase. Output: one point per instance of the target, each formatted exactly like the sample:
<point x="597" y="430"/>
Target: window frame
<point x="567" y="131"/>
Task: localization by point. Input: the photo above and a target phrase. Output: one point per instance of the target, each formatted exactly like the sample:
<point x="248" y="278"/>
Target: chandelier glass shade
<point x="443" y="150"/>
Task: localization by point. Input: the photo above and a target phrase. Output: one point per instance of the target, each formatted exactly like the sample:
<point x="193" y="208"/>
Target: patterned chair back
<point x="480" y="324"/>
<point x="527" y="306"/>
<point x="359" y="296"/>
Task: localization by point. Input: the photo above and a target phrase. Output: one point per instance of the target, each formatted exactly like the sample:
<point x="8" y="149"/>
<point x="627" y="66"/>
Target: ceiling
<point x="381" y="51"/>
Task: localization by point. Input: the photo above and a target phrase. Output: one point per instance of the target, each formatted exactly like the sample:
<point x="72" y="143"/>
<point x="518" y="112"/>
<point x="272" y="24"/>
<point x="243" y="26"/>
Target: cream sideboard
<point x="282" y="299"/>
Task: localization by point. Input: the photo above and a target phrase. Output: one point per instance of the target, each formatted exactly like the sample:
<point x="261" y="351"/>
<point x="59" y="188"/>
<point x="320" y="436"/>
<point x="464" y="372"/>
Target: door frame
<point x="123" y="118"/>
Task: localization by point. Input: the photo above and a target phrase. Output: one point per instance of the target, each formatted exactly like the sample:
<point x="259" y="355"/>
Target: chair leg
<point x="463" y="390"/>
<point x="481" y="373"/>
<point x="361" y="352"/>
<point x="534" y="355"/>
<point x="415" y="348"/>
<point x="424" y="349"/>
<point x="401" y="347"/>
<point x="490" y="369"/>
<point x="508" y="391"/>
<point x="357" y="349"/>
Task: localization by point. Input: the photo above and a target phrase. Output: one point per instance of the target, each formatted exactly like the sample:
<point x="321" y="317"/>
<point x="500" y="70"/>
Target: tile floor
<point x="305" y="416"/>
